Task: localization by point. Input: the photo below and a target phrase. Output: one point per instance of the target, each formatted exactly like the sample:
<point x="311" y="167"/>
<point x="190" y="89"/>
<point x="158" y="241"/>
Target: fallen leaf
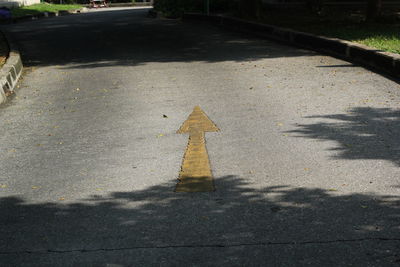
<point x="160" y="135"/>
<point x="364" y="207"/>
<point x="279" y="124"/>
<point x="61" y="198"/>
<point x="35" y="187"/>
<point x="306" y="169"/>
<point x="3" y="186"/>
<point x="332" y="189"/>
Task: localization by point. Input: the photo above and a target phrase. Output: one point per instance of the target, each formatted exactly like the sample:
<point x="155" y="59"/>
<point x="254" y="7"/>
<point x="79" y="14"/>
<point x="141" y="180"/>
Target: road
<point x="305" y="162"/>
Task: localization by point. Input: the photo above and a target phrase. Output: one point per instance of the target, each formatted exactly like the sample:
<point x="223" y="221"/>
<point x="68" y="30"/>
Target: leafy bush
<point x="222" y="6"/>
<point x="175" y="8"/>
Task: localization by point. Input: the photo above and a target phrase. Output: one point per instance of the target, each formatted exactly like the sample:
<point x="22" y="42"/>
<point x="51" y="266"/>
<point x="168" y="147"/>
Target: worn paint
<point x="195" y="174"/>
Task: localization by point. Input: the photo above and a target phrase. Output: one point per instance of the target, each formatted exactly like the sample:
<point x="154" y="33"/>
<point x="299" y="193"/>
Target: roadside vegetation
<point x="380" y="31"/>
<point x="39" y="8"/>
<point x="383" y="35"/>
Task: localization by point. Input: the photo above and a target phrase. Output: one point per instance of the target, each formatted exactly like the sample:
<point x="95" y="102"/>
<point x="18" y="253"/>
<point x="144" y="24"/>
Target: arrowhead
<point x="198" y="121"/>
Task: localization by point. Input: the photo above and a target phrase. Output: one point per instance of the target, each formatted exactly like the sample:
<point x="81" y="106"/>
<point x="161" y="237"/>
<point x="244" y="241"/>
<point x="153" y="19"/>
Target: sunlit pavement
<point x="305" y="165"/>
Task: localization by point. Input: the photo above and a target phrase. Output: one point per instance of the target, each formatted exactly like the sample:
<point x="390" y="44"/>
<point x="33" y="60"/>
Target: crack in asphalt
<point x="198" y="246"/>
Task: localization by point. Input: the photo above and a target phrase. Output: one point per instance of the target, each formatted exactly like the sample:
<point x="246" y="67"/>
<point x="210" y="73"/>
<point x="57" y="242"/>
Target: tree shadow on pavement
<point x="236" y="225"/>
<point x="129" y="38"/>
<point x="362" y="133"/>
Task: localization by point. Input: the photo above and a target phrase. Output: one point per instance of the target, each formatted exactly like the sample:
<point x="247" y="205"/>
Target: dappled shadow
<point x="362" y="133"/>
<point x="235" y="216"/>
<point x="129" y="37"/>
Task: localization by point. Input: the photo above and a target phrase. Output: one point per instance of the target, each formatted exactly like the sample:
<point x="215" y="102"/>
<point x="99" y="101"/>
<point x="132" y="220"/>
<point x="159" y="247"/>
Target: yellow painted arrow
<point x="195" y="174"/>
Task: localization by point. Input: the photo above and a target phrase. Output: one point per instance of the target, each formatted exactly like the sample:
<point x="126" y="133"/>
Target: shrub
<point x="175" y="8"/>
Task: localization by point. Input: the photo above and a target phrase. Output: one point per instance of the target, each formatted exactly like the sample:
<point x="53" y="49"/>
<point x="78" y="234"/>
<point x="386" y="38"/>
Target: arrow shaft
<point x="196" y="162"/>
<point x="195" y="174"/>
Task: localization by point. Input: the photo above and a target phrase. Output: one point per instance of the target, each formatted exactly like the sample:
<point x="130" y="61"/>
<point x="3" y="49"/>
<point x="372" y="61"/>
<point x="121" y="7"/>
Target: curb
<point x="385" y="62"/>
<point x="10" y="71"/>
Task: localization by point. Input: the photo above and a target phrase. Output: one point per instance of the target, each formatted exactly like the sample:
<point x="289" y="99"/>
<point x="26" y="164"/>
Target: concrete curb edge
<point x="11" y="71"/>
<point x="388" y="63"/>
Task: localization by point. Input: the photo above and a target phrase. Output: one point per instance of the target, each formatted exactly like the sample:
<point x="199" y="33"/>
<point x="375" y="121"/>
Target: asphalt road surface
<point x="306" y="164"/>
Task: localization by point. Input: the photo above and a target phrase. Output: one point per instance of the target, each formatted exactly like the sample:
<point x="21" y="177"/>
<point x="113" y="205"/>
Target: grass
<point x="385" y="37"/>
<point x="39" y="8"/>
<point x="383" y="43"/>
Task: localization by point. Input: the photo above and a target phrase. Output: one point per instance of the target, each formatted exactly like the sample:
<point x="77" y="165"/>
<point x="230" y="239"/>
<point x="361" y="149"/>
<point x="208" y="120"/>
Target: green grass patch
<point x="385" y="37"/>
<point x="39" y="8"/>
<point x="386" y="44"/>
<point x="379" y="36"/>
